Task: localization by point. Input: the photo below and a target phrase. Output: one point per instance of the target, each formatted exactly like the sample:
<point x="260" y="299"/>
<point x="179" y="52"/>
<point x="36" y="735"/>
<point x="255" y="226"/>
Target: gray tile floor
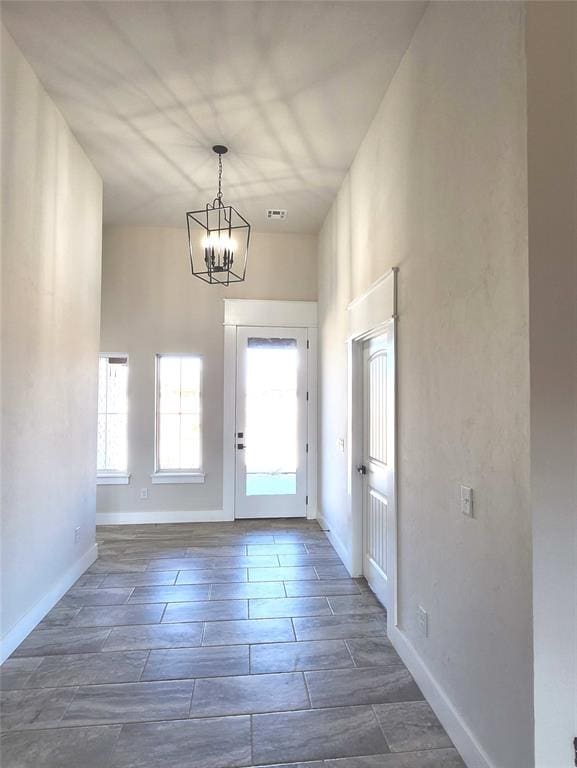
<point x="216" y="646"/>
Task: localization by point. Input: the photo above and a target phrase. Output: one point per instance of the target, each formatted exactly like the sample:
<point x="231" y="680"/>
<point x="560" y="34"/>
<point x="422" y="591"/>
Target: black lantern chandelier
<point x="218" y="238"/>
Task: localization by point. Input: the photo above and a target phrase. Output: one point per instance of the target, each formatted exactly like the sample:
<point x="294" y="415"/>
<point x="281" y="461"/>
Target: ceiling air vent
<point x="276" y="213"/>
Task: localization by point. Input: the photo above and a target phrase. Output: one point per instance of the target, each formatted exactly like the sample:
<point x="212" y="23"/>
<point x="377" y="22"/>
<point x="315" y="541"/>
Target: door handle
<point x="361" y="469"/>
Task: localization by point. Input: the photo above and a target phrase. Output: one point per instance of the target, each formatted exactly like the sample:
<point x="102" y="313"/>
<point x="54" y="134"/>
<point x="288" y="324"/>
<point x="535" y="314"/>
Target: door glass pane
<point x="378" y="407"/>
<point x="271" y="437"/>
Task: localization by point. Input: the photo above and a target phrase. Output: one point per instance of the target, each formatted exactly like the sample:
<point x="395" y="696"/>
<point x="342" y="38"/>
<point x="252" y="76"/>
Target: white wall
<point x="439" y="189"/>
<point x="152" y="304"/>
<point x="552" y="156"/>
<point x="51" y="250"/>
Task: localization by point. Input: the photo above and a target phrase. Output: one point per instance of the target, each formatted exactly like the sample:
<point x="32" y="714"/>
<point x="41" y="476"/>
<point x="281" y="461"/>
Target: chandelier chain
<point x="219" y="196"/>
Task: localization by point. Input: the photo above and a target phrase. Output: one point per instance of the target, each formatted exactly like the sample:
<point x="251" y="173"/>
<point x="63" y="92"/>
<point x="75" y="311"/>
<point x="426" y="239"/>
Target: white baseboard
<point x="34" y="616"/>
<point x="161" y="516"/>
<point x="471" y="751"/>
<point x="337" y="543"/>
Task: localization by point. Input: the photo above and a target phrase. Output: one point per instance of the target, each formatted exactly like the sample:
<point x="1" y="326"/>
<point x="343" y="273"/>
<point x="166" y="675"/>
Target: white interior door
<point x="271" y="422"/>
<point x="378" y="464"/>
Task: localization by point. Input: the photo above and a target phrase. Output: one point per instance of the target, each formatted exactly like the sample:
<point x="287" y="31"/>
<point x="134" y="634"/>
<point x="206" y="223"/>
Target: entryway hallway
<point x="214" y="646"/>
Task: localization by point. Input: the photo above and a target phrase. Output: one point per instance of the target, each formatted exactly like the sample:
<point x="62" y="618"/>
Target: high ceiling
<point x="149" y="87"/>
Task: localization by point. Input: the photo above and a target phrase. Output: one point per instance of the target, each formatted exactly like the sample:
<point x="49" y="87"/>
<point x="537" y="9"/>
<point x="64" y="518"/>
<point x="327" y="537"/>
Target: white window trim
<point x="170" y="478"/>
<point x="112" y="478"/>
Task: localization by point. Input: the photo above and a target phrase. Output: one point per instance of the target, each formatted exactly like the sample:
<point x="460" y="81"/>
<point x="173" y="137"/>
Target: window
<point x="112" y="415"/>
<point x="178" y="418"/>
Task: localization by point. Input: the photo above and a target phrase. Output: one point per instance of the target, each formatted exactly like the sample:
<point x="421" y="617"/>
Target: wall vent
<point x="276" y="213"/>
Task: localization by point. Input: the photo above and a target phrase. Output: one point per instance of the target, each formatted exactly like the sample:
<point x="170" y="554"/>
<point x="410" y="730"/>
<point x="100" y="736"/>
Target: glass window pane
<point x="116" y="441"/>
<point x="169" y="441"/>
<point x="271" y="417"/>
<point x="101" y="442"/>
<point x="116" y="398"/>
<point x="190" y="385"/>
<point x="169" y="384"/>
<point x="189" y="442"/>
<point x="179" y="435"/>
<point x="112" y="414"/>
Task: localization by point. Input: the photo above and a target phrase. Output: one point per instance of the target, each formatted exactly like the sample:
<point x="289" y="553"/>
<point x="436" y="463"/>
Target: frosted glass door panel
<point x="271" y="422"/>
<point x="271" y="416"/>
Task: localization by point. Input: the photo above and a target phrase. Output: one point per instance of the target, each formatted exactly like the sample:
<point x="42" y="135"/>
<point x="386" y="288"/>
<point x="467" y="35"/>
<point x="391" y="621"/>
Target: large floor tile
<point x="288" y="607"/>
<point x="216" y="551"/>
<point x="248" y="631"/>
<point x="42" y="642"/>
<point x="367" y="685"/>
<point x="118" y="565"/>
<point x="363" y="603"/>
<point x="144" y="579"/>
<point x="327" y="587"/>
<point x="118" y="615"/>
<point x="324" y="557"/>
<point x="213" y="610"/>
<point x="276" y="549"/>
<point x="59" y="616"/>
<point x="411" y="726"/>
<point x="59" y="748"/>
<point x="154" y="636"/>
<point x="348" y="625"/>
<point x="282" y="574"/>
<point x="129" y="703"/>
<point x="435" y="758"/>
<point x="206" y="743"/>
<point x="331" y="571"/>
<point x="182" y="663"/>
<point x="183" y="593"/>
<point x="373" y="652"/>
<point x="88" y="668"/>
<point x="294" y="657"/>
<point x="22" y="710"/>
<point x="316" y="735"/>
<point x="253" y="589"/>
<point x="212" y="576"/>
<point x="15" y="672"/>
<point x="248" y="694"/>
<point x="89" y="581"/>
<point x="87" y="597"/>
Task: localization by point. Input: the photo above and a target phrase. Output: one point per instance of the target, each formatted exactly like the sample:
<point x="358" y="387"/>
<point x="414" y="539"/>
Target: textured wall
<point x="51" y="251"/>
<point x="151" y="304"/>
<point x="439" y="189"/>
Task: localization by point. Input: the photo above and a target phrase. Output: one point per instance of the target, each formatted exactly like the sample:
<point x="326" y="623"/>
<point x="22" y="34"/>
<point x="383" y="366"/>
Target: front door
<point x="378" y="464"/>
<point x="271" y="422"/>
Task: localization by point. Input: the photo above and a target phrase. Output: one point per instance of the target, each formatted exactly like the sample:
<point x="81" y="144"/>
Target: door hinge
<point x="307" y="396"/>
<point x="308" y="344"/>
<point x="575" y="748"/>
<point x="307" y="449"/>
<point x="306" y="501"/>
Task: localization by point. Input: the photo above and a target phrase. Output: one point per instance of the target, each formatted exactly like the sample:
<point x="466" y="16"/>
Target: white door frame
<point x="267" y="314"/>
<point x="369" y="315"/>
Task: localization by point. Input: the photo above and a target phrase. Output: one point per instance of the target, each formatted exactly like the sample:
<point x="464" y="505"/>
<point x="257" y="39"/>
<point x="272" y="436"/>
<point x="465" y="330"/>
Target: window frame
<point x="177" y="476"/>
<point x="114" y="476"/>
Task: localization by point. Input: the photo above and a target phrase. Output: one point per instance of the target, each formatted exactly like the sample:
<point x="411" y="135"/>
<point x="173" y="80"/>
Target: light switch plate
<point x="467" y="501"/>
<point x="341" y="445"/>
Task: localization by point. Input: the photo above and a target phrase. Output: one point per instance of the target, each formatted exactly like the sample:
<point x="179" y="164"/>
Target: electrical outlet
<point x="144" y="493"/>
<point x="77" y="535"/>
<point x="423" y="617"/>
<point x="467" y="501"/>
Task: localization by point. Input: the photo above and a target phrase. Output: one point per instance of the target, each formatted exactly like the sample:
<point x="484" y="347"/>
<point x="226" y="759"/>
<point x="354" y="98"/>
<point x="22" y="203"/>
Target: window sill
<point x="112" y="478"/>
<point x="169" y="478"/>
